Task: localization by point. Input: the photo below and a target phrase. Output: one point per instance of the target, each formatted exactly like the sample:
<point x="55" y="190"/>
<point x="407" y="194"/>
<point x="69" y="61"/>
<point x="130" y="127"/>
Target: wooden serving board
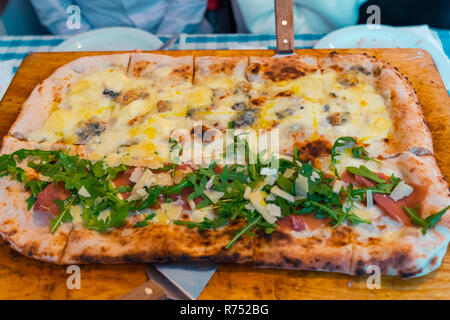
<point x="23" y="278"/>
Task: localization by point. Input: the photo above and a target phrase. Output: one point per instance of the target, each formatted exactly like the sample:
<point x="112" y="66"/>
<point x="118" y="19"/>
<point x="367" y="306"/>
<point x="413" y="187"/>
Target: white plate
<point x="361" y="36"/>
<point x="111" y="39"/>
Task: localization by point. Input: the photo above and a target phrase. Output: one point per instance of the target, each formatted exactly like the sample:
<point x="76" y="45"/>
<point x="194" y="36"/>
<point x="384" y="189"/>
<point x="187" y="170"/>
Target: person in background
<point x="155" y="16"/>
<point x="318" y="16"/>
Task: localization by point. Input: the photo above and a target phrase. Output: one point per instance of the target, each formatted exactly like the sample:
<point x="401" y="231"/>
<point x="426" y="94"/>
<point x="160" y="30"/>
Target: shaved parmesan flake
<point x="400" y="191"/>
<point x="247" y="192"/>
<point x="198" y="215"/>
<point x="45" y="178"/>
<point x="213" y="195"/>
<point x="315" y="176"/>
<point x="210" y="182"/>
<point x="172" y="210"/>
<point x="337" y="186"/>
<point x="282" y="194"/>
<point x="301" y="185"/>
<point x="271" y="197"/>
<point x="257" y="200"/>
<point x="191" y="204"/>
<point x="136" y="174"/>
<point x="146" y="180"/>
<point x="249" y="207"/>
<point x="269" y="172"/>
<point x="285" y="157"/>
<point x="369" y="197"/>
<point x="274" y="210"/>
<point x="270" y="180"/>
<point x="142" y="193"/>
<point x="75" y="212"/>
<point x="104" y="215"/>
<point x="288" y="173"/>
<point x="83" y="192"/>
<point x="366" y="213"/>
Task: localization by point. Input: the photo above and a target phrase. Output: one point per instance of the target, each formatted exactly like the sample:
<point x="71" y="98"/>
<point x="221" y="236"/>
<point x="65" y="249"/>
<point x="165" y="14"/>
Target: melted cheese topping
<point x="324" y="105"/>
<point x="137" y="131"/>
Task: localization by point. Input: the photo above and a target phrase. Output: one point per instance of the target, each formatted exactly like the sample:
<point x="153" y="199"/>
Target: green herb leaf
<point x="426" y="223"/>
<point x="145" y="222"/>
<point x="365" y="172"/>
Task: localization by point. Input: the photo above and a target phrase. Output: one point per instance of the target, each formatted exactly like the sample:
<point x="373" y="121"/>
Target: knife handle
<point x="284" y="22"/>
<point x="149" y="290"/>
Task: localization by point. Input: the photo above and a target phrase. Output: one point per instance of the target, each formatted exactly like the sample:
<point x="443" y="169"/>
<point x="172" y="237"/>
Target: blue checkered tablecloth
<point x="15" y="48"/>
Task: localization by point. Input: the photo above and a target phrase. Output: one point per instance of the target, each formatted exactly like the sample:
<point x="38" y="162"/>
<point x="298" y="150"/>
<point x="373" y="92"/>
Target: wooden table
<point x="23" y="278"/>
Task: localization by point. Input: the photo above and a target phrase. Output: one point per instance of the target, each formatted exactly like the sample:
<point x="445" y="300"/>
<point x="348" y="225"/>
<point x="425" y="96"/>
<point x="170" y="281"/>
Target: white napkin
<point x="425" y="32"/>
<point x="6" y="75"/>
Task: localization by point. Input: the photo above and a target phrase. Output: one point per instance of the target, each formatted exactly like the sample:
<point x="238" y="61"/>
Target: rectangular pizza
<point x="299" y="162"/>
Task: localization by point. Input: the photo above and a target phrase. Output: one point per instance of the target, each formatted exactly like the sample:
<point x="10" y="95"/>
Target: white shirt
<point x="156" y="16"/>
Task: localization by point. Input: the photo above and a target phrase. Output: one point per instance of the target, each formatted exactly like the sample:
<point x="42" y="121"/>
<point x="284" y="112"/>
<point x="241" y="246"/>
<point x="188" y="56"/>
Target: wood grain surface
<point x="284" y="22"/>
<point x="23" y="278"/>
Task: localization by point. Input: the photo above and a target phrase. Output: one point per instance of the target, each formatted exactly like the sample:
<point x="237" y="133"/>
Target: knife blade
<point x="172" y="289"/>
<point x="168" y="43"/>
<point x="191" y="277"/>
<point x="175" y="281"/>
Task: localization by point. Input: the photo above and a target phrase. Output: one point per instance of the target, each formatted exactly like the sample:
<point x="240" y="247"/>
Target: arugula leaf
<point x="178" y="188"/>
<point x="35" y="187"/>
<point x="150" y="200"/>
<point x="98" y="170"/>
<point x="64" y="215"/>
<point x="426" y="223"/>
<point x="363" y="171"/>
<point x="205" y="224"/>
<point x="285" y="184"/>
<point x="340" y="142"/>
<point x="246" y="229"/>
<point x="124" y="188"/>
<point x="357" y="152"/>
<point x="296" y="156"/>
<point x="144" y="223"/>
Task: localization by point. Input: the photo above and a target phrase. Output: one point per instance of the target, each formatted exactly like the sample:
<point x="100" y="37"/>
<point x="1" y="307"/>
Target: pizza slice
<point x="314" y="102"/>
<point x="370" y="99"/>
<point x="21" y="226"/>
<point x="59" y="103"/>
